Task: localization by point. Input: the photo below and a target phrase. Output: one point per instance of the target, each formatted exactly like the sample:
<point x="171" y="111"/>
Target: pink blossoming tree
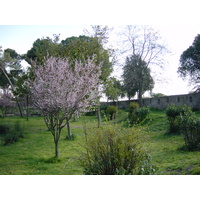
<point x="6" y="101"/>
<point x="59" y="90"/>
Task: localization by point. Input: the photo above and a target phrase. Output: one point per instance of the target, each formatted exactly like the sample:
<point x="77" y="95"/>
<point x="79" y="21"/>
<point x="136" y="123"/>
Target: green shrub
<point x="174" y="114"/>
<point x="111" y="110"/>
<point x="73" y="137"/>
<point x="52" y="160"/>
<point x="138" y="115"/>
<point x="190" y="127"/>
<point x="4" y="129"/>
<point x="103" y="107"/>
<point x="13" y="134"/>
<point x="114" y="151"/>
<point x="91" y="111"/>
<point x="133" y="106"/>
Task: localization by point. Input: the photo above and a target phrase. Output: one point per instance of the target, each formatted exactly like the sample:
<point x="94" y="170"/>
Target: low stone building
<point x="192" y="100"/>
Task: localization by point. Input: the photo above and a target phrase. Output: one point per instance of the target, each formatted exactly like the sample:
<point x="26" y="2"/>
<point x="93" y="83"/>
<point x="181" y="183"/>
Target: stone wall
<point x="192" y="100"/>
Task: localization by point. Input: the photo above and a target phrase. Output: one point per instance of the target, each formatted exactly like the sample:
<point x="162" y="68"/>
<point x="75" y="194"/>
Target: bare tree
<point x="146" y="44"/>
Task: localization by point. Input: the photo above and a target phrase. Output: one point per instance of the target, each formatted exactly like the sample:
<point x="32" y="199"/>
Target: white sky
<point x="178" y="38"/>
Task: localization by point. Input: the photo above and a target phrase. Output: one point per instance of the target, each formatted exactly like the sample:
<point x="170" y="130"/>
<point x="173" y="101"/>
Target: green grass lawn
<point x="34" y="153"/>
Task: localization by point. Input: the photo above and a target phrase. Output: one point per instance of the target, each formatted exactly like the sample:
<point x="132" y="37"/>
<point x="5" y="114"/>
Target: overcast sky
<point x="178" y="38"/>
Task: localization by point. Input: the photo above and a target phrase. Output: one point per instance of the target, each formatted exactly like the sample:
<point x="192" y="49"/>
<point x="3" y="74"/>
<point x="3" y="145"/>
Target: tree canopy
<point x="84" y="47"/>
<point x="136" y="76"/>
<point x="190" y="63"/>
<point x="74" y="48"/>
<point x="146" y="48"/>
<point x="40" y="49"/>
<point x="10" y="59"/>
<point x="113" y="89"/>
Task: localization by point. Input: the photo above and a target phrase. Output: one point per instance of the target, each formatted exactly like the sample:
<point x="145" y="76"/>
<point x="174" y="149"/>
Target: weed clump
<point x="190" y="128"/>
<point x="133" y="106"/>
<point x="111" y="110"/>
<point x="11" y="134"/>
<point x="183" y="121"/>
<point x="137" y="114"/>
<point x="4" y="129"/>
<point x="114" y="151"/>
<point x="174" y="114"/>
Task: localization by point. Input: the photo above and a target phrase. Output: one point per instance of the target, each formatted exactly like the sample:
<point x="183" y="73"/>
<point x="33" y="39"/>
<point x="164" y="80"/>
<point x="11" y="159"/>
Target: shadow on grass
<point x="36" y="161"/>
<point x="185" y="148"/>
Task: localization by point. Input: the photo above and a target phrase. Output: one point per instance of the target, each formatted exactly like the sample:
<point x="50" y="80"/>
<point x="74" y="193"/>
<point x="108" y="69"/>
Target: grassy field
<point x="34" y="153"/>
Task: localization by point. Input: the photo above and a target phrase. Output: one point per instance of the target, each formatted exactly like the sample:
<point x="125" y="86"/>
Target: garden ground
<point x="34" y="153"/>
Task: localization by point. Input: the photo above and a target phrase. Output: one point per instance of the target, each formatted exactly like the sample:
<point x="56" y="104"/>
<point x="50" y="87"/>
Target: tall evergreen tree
<point x="190" y="63"/>
<point x="137" y="77"/>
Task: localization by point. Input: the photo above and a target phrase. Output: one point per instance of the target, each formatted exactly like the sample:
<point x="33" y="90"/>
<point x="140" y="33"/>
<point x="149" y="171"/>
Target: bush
<point x="12" y="134"/>
<point x="138" y="115"/>
<point x="133" y="106"/>
<point x="114" y="151"/>
<point x="103" y="107"/>
<point x="111" y="110"/>
<point x="91" y="111"/>
<point x="4" y="129"/>
<point x="174" y="114"/>
<point x="190" y="127"/>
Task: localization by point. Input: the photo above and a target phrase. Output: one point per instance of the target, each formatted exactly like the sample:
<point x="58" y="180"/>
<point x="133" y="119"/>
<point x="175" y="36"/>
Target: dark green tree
<point x="137" y="77"/>
<point x="84" y="47"/>
<point x="10" y="59"/>
<point x="157" y="95"/>
<point x="22" y="90"/>
<point x="74" y="48"/>
<point x="113" y="89"/>
<point x="190" y="63"/>
<point x="145" y="45"/>
<point x="101" y="35"/>
<point x="41" y="48"/>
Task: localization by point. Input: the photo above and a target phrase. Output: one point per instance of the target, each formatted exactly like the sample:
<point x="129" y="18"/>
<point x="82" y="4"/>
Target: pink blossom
<point x="59" y="86"/>
<point x="6" y="101"/>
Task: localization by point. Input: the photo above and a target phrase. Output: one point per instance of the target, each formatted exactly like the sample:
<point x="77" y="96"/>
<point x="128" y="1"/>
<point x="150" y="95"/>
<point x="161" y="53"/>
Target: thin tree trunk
<point x="99" y="116"/>
<point x="27" y="111"/>
<point x="68" y="130"/>
<point x="140" y="95"/>
<point x="129" y="99"/>
<point x="56" y="148"/>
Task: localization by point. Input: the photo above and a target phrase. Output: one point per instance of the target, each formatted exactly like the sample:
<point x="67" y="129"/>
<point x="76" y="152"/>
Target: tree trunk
<point x="27" y="113"/>
<point x="75" y="116"/>
<point x="68" y="130"/>
<point x="129" y="99"/>
<point x="99" y="116"/>
<point x="140" y="95"/>
<point x="20" y="110"/>
<point x="56" y="148"/>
